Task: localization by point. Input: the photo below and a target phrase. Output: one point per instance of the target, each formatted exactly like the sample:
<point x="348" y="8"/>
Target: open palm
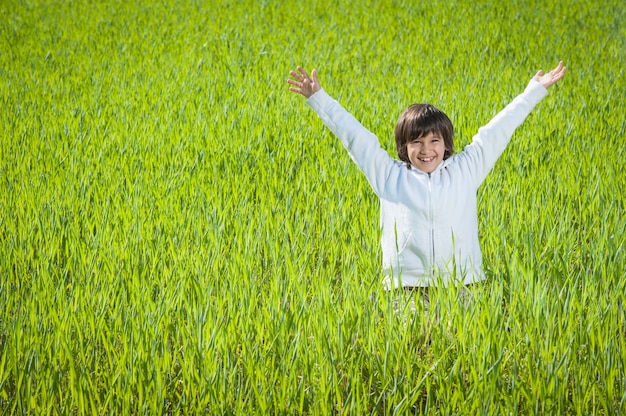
<point x="552" y="77"/>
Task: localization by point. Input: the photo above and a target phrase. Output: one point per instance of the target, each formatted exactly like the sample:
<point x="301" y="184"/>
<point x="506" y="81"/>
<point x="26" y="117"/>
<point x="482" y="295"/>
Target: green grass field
<point x="180" y="234"/>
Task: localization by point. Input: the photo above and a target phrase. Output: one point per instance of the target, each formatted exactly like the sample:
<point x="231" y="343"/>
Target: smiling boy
<point x="428" y="207"/>
<point x="426" y="153"/>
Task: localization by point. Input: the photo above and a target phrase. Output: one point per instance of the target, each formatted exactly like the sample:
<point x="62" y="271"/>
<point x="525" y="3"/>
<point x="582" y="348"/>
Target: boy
<point x="428" y="198"/>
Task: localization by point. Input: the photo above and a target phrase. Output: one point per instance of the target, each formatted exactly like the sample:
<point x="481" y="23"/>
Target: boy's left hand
<point x="552" y="77"/>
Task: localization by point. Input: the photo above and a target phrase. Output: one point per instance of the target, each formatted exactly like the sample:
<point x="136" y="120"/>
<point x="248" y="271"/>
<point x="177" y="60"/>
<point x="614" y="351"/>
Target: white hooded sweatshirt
<point x="429" y="221"/>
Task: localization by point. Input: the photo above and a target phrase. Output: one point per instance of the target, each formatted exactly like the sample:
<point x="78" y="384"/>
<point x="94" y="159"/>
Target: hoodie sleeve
<point x="362" y="145"/>
<point x="488" y="144"/>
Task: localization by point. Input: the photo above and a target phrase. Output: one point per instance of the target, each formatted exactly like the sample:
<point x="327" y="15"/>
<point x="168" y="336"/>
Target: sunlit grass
<point x="180" y="234"/>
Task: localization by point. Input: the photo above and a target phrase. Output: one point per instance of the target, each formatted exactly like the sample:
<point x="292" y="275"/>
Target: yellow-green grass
<point x="179" y="234"/>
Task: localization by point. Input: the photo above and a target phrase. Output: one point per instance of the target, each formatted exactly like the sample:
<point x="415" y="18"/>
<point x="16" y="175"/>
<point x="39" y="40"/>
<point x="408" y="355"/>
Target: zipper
<point x="432" y="227"/>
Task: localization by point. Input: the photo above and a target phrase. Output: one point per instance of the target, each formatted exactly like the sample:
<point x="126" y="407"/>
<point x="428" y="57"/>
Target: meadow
<point x="180" y="234"/>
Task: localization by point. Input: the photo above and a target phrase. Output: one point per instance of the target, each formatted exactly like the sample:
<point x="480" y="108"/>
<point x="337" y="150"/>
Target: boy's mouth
<point x="427" y="159"/>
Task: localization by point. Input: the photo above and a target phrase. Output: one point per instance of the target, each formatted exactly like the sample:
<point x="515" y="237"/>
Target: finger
<point x="295" y="75"/>
<point x="538" y="76"/>
<point x="314" y="74"/>
<point x="561" y="73"/>
<point x="559" y="68"/>
<point x="303" y="72"/>
<point x="558" y="72"/>
<point x="297" y="91"/>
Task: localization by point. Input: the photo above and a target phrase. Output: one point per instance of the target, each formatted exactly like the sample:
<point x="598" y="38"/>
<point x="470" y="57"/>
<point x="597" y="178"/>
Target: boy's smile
<point x="426" y="152"/>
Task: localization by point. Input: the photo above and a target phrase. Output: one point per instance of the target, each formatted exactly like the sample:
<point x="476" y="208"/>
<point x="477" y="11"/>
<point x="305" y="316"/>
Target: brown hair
<point x="417" y="121"/>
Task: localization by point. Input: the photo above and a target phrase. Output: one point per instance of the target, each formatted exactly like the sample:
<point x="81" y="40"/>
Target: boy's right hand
<point x="302" y="83"/>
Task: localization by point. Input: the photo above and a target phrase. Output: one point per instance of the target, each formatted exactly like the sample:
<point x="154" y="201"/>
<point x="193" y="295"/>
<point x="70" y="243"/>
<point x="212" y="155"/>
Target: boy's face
<point x="426" y="152"/>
